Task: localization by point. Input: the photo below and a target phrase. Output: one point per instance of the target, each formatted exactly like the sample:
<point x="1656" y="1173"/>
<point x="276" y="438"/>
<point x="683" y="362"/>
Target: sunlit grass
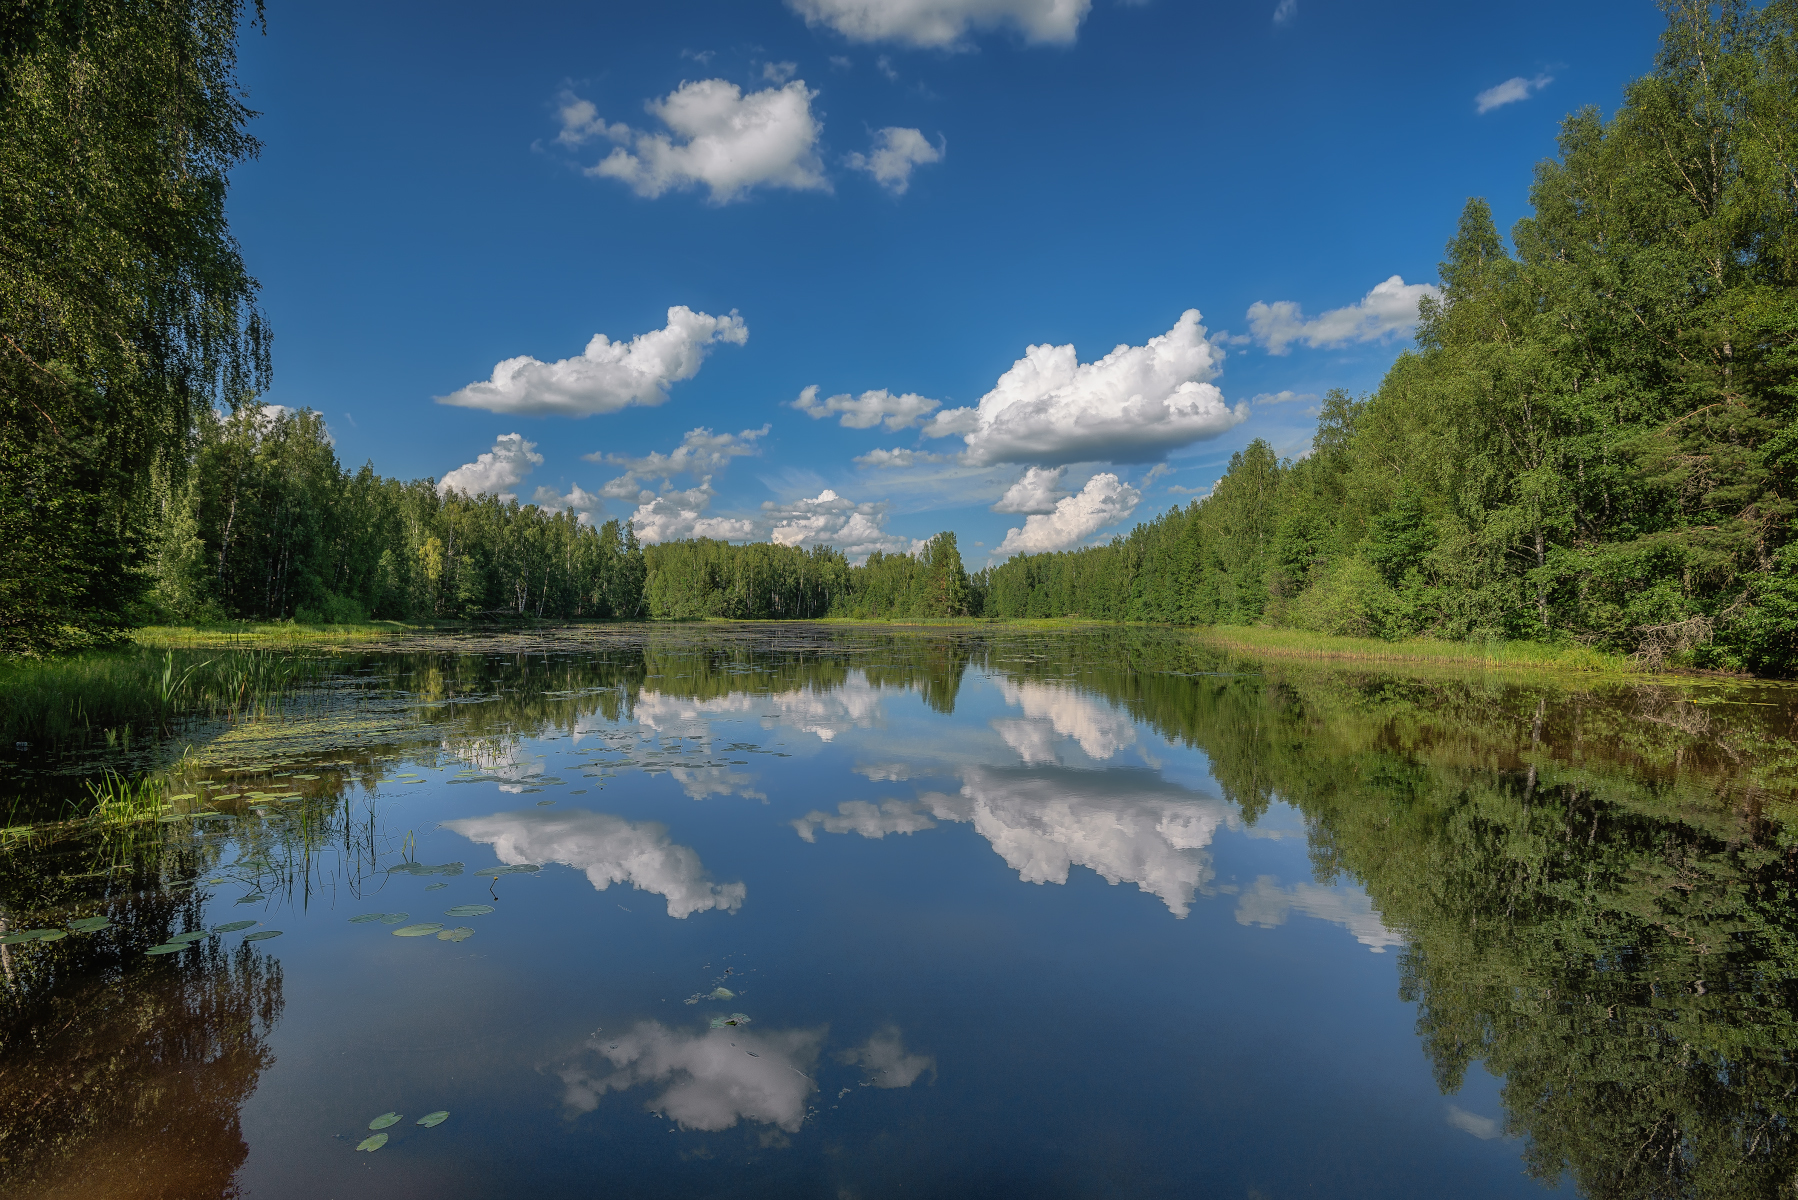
<point x="1487" y="655"/>
<point x="110" y="697"/>
<point x="264" y="633"/>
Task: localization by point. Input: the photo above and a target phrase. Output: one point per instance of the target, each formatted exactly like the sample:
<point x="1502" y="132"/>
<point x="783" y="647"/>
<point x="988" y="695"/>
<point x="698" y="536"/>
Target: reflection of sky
<point x="709" y="1080"/>
<point x="820" y="711"/>
<point x="713" y="1079"/>
<point x="610" y="850"/>
<point x="1054" y="710"/>
<point x="1267" y="904"/>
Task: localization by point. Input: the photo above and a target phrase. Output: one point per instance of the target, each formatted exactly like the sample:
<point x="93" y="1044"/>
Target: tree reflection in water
<point x="121" y="1077"/>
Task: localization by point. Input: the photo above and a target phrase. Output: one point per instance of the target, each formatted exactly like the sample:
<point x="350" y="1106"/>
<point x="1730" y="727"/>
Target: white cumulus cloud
<point x="1103" y="501"/>
<point x="1510" y="92"/>
<point x="710" y="1080"/>
<point x="700" y="452"/>
<point x="1037" y="491"/>
<point x="833" y="520"/>
<point x="1285" y="12"/>
<point x="866" y="410"/>
<point x="717" y="137"/>
<point x="607" y="375"/>
<point x="944" y="23"/>
<point x="1389" y="309"/>
<point x="609" y="850"/>
<point x="578" y="501"/>
<point x="503" y="467"/>
<point x="896" y="151"/>
<point x="1133" y="405"/>
<point x="898" y="458"/>
<point x="677" y="513"/>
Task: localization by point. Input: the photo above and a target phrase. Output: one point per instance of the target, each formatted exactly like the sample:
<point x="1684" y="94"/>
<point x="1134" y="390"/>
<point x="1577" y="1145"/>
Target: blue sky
<point x="887" y="201"/>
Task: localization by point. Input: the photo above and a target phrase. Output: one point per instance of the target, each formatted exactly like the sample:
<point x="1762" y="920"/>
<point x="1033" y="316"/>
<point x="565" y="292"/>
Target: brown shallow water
<point x="787" y="910"/>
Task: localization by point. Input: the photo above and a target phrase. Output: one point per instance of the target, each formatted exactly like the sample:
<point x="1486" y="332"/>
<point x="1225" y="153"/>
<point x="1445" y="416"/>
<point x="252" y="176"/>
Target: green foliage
<point x="702" y="577"/>
<point x="125" y="308"/>
<point x="1595" y="439"/>
<point x="267" y="524"/>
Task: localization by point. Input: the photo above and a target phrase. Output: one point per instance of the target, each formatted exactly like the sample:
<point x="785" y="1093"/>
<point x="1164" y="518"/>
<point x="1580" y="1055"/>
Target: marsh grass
<point x="122" y="801"/>
<point x="1493" y="655"/>
<point x="240" y="635"/>
<point x="111" y="697"/>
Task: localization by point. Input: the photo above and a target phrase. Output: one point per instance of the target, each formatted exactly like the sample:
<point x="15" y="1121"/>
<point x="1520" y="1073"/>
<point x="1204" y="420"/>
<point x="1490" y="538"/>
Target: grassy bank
<point x="107" y="696"/>
<point x="245" y="634"/>
<point x="1296" y="643"/>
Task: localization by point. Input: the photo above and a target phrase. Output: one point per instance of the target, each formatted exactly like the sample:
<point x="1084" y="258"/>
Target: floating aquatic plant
<point x="372" y="1143"/>
<point x="433" y="1120"/>
<point x="468" y="910"/>
<point x="427" y="927"/>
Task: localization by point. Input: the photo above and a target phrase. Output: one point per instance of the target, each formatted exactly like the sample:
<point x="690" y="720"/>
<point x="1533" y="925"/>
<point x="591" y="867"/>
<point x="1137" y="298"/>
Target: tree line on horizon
<point x="1594" y="439"/>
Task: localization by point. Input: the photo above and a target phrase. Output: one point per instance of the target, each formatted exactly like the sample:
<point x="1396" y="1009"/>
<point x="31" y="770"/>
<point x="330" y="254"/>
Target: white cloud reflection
<point x="709" y="1080"/>
<point x="869" y="820"/>
<point x="1100" y="730"/>
<point x="609" y="850"/>
<point x="884" y="1062"/>
<point x="1267" y="904"/>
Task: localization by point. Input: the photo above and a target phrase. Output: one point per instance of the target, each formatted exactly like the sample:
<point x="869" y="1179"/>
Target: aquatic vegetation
<point x="459" y="934"/>
<point x="421" y="930"/>
<point x="468" y="910"/>
<point x="385" y="1120"/>
<point x="373" y="1142"/>
<point x="432" y="1120"/>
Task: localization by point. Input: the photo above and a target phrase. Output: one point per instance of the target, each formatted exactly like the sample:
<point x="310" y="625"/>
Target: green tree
<point x="125" y="307"/>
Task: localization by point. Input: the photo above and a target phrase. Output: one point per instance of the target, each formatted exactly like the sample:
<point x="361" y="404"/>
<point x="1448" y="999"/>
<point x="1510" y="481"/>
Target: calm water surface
<point x="790" y="912"/>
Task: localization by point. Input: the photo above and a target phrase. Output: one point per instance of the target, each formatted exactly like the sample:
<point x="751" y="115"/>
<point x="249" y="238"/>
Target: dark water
<point x="1097" y="914"/>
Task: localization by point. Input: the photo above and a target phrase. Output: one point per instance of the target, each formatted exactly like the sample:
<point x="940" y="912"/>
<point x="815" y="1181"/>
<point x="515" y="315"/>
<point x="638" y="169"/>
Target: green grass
<point x="113" y="696"/>
<point x="1297" y="643"/>
<point x="265" y="633"/>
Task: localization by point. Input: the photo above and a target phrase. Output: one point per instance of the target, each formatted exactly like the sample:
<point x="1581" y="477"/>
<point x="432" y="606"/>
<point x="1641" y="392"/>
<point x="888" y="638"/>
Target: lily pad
<point x="168" y="948"/>
<point x="522" y="868"/>
<point x="733" y="1019"/>
<point x="418" y="930"/>
<point x="232" y="927"/>
<point x="433" y="887"/>
<point x="192" y="935"/>
<point x="384" y="1120"/>
<point x="184" y="796"/>
<point x="28" y="935"/>
<point x="417" y="868"/>
<point x="393" y="918"/>
<point x="89" y="924"/>
<point x="252" y="898"/>
<point x="468" y="910"/>
<point x="372" y="1143"/>
<point x="460" y="933"/>
<point x="722" y="993"/>
<point x="433" y="1120"/>
<point x="262" y="935"/>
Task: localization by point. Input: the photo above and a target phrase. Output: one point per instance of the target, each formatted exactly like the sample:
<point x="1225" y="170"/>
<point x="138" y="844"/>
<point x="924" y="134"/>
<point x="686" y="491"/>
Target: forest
<point x="1593" y="441"/>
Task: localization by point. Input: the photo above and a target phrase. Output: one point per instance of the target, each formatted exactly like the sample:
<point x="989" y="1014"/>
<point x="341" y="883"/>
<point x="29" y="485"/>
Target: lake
<point x="786" y="910"/>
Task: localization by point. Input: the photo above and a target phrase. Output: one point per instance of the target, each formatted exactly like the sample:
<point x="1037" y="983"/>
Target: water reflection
<point x="709" y="1081"/>
<point x="1587" y="887"/>
<point x="1267" y="905"/>
<point x="1052" y="711"/>
<point x="1127" y="824"/>
<point x="884" y="1061"/>
<point x="608" y="850"/>
<point x="123" y="1077"/>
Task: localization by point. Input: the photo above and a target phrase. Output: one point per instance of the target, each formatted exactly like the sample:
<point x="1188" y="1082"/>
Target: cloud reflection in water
<point x="712" y="1080"/>
<point x="610" y="850"/>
